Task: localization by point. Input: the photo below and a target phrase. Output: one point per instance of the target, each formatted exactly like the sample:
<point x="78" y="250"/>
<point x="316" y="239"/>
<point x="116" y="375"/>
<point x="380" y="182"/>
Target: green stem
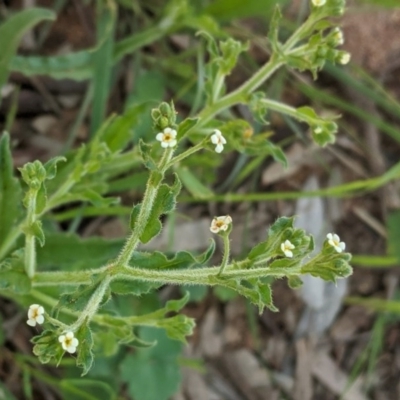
<point x="185" y="154"/>
<point x="288" y="110"/>
<point x="92" y="306"/>
<point x="227" y="251"/>
<point x="30" y="248"/>
<point x="149" y="197"/>
<point x="195" y="276"/>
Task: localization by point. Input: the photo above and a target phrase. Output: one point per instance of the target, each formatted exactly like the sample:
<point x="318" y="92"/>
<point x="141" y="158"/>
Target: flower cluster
<point x="167" y="138"/>
<point x="35" y="315"/>
<point x="334" y="241"/>
<point x="220" y="224"/>
<point x="69" y="342"/>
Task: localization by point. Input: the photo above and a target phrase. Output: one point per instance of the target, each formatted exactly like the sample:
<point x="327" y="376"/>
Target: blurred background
<point x="326" y="342"/>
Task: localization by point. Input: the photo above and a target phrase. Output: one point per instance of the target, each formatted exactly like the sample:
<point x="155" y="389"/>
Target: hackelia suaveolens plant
<point x="35" y="315"/>
<point x="220" y="224"/>
<point x="287" y="248"/>
<point x="69" y="342"/>
<point x="334" y="241"/>
<point x="167" y="138"/>
<point x="218" y="140"/>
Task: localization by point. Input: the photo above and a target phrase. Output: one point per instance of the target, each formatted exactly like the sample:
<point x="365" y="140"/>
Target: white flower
<point x="344" y="58"/>
<point x="334" y="241"/>
<point x="220" y="223"/>
<point x="318" y="3"/>
<point x="218" y="140"/>
<point x="35" y="315"/>
<point x="69" y="342"/>
<point x="338" y="36"/>
<point x="287" y="248"/>
<point x="167" y="138"/>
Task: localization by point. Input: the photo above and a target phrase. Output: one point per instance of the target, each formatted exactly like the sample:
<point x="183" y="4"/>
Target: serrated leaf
<point x="273" y="33"/>
<point x="163" y="204"/>
<point x="10" y="190"/>
<point x="179" y="260"/>
<point x="134" y="288"/>
<point x="13" y="29"/>
<point x="85" y="353"/>
<point x="47" y="347"/>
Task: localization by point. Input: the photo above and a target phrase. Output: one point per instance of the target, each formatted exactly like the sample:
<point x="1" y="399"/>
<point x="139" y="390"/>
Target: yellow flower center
<point x="167" y="137"/>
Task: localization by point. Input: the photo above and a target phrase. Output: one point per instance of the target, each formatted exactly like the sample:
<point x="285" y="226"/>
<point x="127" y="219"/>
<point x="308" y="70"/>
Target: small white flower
<point x="220" y="223"/>
<point x="35" y="315"/>
<point x="68" y="342"/>
<point x="287" y="248"/>
<point x="167" y="138"/>
<point x="334" y="241"/>
<point x="344" y="58"/>
<point x="338" y="36"/>
<point x="318" y="3"/>
<point x="218" y="140"/>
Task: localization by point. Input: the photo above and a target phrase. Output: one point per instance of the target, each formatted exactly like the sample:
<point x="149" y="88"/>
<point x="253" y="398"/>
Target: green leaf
<point x="186" y="125"/>
<point x="393" y="222"/>
<point x="163" y="204"/>
<point x="14" y="29"/>
<point x="145" y="152"/>
<point x="294" y="282"/>
<point x="158" y="364"/>
<point x="69" y="252"/>
<point x="180" y="260"/>
<point x="86" y="389"/>
<point x="37" y="231"/>
<point x="85" y="354"/>
<point x="51" y="166"/>
<point x="102" y="61"/>
<point x="273" y="34"/>
<point x="10" y="190"/>
<point x="12" y="274"/>
<point x="192" y="184"/>
<point x="134" y="288"/>
<point x="77" y="300"/>
<point x="41" y="199"/>
<point x="47" y="347"/>
<point x="118" y="132"/>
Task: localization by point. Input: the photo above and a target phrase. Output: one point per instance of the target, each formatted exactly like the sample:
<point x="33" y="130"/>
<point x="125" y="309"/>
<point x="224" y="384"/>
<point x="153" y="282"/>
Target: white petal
<point x="217" y="132"/>
<point x="214" y="139"/>
<point x="31" y="322"/>
<point x="70" y="349"/>
<point x="167" y="130"/>
<point x="40" y="319"/>
<point x="173" y="133"/>
<point x="75" y="342"/>
<point x="342" y="245"/>
<point x="219" y="148"/>
<point x="288" y="254"/>
<point x="160" y="137"/>
<point x="61" y="338"/>
<point x="338" y="249"/>
<point x="173" y="143"/>
<point x="69" y="335"/>
<point x="336" y="238"/>
<point x="164" y="144"/>
<point x="41" y="310"/>
<point x="222" y="140"/>
<point x="329" y="236"/>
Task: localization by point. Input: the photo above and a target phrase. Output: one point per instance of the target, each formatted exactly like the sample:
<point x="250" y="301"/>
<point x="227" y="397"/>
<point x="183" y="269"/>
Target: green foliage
<point x="158" y="364"/>
<point x="91" y="285"/>
<point x="13" y="29"/>
<point x="10" y="190"/>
